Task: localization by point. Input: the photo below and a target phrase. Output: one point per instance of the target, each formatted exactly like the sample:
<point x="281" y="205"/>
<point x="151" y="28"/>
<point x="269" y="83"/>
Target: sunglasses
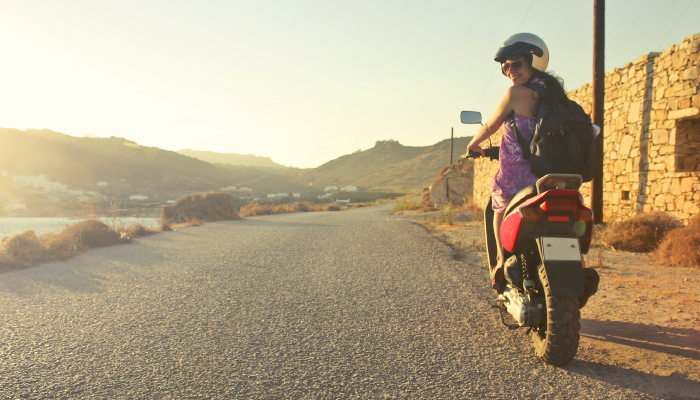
<point x="508" y="66"/>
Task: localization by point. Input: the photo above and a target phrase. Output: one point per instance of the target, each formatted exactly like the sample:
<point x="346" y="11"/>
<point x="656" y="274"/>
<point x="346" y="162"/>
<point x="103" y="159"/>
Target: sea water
<point x="12" y="225"/>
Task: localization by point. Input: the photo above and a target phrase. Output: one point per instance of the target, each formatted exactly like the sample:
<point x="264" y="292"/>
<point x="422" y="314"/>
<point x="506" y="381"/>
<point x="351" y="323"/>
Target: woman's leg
<point x="497" y="220"/>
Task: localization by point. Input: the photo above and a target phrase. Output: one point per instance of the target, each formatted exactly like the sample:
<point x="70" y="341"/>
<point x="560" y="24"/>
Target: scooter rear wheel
<point x="556" y="341"/>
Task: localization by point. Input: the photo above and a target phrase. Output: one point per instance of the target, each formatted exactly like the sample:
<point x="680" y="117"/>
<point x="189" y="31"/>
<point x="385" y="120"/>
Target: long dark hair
<point x="554" y="88"/>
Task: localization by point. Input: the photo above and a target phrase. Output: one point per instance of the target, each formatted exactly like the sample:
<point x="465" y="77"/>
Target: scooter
<point x="545" y="230"/>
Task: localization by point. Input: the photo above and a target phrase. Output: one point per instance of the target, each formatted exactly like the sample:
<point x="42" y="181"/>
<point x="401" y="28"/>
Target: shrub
<point x="24" y="248"/>
<point x="681" y="246"/>
<point x="407" y="205"/>
<point x="641" y="233"/>
<point x="138" y="230"/>
<point x="256" y="209"/>
<point x="90" y="234"/>
<point x="331" y="207"/>
<point x="207" y="207"/>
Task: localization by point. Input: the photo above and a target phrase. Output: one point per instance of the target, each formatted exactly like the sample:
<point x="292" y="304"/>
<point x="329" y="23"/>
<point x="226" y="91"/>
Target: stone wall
<point x="484" y="171"/>
<point x="652" y="136"/>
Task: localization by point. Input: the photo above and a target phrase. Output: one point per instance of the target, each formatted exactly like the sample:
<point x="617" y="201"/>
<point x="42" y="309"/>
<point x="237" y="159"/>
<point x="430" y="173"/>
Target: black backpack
<point x="563" y="141"/>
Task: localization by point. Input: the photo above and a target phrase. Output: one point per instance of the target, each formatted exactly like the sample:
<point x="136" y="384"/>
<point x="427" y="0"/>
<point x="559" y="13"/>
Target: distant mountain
<point x="388" y="165"/>
<point x="127" y="167"/>
<point x="231" y="158"/>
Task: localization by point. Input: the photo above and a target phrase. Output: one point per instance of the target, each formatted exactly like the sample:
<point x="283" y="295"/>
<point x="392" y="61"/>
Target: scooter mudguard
<point x="491" y="248"/>
<point x="562" y="262"/>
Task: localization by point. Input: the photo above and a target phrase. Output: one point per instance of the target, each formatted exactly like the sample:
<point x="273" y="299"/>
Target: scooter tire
<point x="556" y="341"/>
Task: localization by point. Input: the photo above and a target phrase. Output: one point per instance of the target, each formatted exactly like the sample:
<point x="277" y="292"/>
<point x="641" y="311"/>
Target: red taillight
<point x="560" y="205"/>
<point x="584" y="215"/>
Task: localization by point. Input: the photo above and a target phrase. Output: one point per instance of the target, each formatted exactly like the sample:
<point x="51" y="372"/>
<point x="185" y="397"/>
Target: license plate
<point x="560" y="249"/>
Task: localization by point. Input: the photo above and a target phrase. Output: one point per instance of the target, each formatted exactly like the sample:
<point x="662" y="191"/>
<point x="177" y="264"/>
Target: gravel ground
<point x="353" y="304"/>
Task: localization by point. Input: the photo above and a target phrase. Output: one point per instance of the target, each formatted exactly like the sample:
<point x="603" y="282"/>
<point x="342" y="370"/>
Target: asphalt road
<point x="354" y="304"/>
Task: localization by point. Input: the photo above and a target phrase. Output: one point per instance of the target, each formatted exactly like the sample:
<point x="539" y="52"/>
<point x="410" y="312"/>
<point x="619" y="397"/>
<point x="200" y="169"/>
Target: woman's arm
<point x="505" y="107"/>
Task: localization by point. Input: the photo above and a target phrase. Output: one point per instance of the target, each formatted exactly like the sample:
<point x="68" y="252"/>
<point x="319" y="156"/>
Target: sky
<point x="302" y="82"/>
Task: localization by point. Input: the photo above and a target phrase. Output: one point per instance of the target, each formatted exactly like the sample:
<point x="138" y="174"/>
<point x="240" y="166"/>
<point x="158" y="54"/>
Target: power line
<point x="660" y="23"/>
<point x="494" y="72"/>
<point x="676" y="23"/>
<point x="484" y="91"/>
<point x="521" y="22"/>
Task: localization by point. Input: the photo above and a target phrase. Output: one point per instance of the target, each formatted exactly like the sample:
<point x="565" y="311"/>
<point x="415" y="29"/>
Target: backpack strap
<point x="521" y="139"/>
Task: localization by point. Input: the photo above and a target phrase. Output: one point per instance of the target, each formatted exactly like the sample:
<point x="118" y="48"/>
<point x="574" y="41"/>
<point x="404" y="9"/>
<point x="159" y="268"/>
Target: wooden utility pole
<point x="598" y="105"/>
<point x="452" y="138"/>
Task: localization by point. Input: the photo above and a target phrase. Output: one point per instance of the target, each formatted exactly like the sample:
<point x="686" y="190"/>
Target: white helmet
<point x="525" y="44"/>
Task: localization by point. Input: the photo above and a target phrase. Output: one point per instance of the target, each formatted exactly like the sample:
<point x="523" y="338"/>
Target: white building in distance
<point x="331" y="189"/>
<point x="349" y="189"/>
<point x="138" y="197"/>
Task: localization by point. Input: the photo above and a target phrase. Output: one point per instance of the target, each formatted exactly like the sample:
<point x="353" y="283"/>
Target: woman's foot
<point x="498" y="282"/>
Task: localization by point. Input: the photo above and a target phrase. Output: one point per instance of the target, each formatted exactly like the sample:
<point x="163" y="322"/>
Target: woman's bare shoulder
<point x="519" y="92"/>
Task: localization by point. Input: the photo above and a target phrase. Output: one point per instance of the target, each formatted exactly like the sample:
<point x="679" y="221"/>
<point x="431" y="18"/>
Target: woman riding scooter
<point x="524" y="58"/>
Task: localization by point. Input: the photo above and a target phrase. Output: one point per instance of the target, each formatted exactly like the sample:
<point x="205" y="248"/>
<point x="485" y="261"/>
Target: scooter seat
<point x="520" y="197"/>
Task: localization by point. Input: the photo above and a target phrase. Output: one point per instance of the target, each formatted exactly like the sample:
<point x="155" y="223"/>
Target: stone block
<point x="659" y="93"/>
<point x="659" y="136"/>
<point x="656" y="188"/>
<point x="629" y="167"/>
<point x="686" y="185"/>
<point x="626" y="145"/>
<point x="634" y="111"/>
<point x="690" y="208"/>
<point x="683" y="104"/>
<point x="614" y="198"/>
<point x="647" y="208"/>
<point x="680" y="202"/>
<point x="660" y="201"/>
<point x="671" y="162"/>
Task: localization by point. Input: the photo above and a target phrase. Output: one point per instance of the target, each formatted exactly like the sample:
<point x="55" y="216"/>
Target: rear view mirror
<point x="470" y="117"/>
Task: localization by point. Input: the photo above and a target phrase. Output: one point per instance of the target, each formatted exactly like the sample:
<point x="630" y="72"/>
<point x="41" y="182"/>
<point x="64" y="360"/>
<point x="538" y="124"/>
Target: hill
<point x="127" y="167"/>
<point x="230" y="158"/>
<point x="388" y="165"/>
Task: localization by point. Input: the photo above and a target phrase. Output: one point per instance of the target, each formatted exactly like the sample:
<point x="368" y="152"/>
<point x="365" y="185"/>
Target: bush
<point x="407" y="205"/>
<point x="331" y="207"/>
<point x="641" y="233"/>
<point x="24" y="248"/>
<point x="681" y="246"/>
<point x="255" y="209"/>
<point x="138" y="230"/>
<point x="207" y="207"/>
<point x="90" y="234"/>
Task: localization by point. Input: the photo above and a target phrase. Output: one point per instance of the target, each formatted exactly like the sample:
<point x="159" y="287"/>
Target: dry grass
<point x="641" y="233"/>
<point x="26" y="249"/>
<point x="193" y="209"/>
<point x="407" y="204"/>
<point x="681" y="246"/>
<point x="267" y="209"/>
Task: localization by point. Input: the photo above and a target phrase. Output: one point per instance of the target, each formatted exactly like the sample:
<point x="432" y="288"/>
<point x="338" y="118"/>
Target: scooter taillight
<point x="584" y="215"/>
<point x="560" y="206"/>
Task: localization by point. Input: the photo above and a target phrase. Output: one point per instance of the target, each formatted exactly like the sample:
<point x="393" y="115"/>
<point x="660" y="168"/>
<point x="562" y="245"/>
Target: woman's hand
<point x="475" y="147"/>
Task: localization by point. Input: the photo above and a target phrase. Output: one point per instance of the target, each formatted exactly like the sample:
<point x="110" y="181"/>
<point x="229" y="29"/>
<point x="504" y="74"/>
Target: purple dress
<point x="514" y="172"/>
